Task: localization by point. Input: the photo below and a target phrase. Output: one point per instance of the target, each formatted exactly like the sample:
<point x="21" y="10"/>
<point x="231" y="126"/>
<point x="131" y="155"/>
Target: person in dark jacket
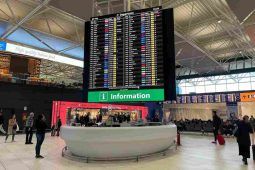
<point x="244" y="139"/>
<point x="40" y="126"/>
<point x="29" y="128"/>
<point x="59" y="124"/>
<point x="216" y="125"/>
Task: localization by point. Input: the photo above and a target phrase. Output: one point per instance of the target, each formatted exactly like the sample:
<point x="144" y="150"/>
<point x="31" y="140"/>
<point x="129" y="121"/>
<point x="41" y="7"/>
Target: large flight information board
<point x="126" y="50"/>
<point x="126" y="56"/>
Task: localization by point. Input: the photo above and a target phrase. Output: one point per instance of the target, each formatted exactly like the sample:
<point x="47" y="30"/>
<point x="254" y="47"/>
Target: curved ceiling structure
<point x="208" y="33"/>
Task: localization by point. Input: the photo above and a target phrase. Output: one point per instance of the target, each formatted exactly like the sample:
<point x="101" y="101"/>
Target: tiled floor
<point x="196" y="153"/>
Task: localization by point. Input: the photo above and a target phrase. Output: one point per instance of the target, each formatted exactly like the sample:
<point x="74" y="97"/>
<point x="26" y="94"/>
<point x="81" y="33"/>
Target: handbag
<point x="17" y="127"/>
<point x="14" y="127"/>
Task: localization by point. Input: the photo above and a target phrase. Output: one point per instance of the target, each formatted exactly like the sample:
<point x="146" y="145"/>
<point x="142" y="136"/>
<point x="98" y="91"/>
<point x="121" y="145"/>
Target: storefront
<point x="68" y="110"/>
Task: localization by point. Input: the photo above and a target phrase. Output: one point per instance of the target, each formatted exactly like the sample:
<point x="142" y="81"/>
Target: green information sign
<point x="126" y="95"/>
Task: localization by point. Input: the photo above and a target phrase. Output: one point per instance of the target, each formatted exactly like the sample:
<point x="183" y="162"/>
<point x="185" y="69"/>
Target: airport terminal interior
<point x="127" y="84"/>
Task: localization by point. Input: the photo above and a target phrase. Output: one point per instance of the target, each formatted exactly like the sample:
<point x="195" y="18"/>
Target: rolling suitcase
<point x="221" y="140"/>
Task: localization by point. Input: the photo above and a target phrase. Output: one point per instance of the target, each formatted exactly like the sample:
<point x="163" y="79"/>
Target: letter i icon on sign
<point x="103" y="96"/>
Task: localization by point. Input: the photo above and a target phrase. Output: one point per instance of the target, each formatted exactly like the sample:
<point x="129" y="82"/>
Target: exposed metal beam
<point x="176" y="3"/>
<point x="190" y="41"/>
<point x="30" y="33"/>
<point x="70" y="48"/>
<point x="10" y="9"/>
<point x="27" y="17"/>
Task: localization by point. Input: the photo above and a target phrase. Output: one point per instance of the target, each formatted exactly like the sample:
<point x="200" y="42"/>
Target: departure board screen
<point x="126" y="57"/>
<point x="126" y="50"/>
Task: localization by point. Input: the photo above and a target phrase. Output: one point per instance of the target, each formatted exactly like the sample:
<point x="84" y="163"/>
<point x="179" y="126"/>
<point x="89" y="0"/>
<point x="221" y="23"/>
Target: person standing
<point x="252" y="122"/>
<point x="12" y="127"/>
<point x="29" y="128"/>
<point x="243" y="132"/>
<point x="2" y="123"/>
<point x="216" y="125"/>
<point x="40" y="126"/>
<point x="59" y="124"/>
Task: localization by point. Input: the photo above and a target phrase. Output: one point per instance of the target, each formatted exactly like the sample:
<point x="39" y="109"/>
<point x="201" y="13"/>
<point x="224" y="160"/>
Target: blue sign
<point x="2" y="46"/>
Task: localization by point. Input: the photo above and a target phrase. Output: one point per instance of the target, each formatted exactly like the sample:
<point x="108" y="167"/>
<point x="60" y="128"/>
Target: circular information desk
<point x="118" y="142"/>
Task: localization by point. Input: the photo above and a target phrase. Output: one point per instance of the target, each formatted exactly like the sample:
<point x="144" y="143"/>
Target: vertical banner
<point x="232" y="110"/>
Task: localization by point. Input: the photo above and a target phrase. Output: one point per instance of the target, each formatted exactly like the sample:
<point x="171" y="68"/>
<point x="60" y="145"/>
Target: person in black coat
<point x="59" y="124"/>
<point x="244" y="129"/>
<point x="40" y="126"/>
<point x="216" y="125"/>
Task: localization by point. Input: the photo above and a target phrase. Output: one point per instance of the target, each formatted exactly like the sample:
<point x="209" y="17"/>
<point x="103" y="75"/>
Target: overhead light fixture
<point x="219" y="21"/>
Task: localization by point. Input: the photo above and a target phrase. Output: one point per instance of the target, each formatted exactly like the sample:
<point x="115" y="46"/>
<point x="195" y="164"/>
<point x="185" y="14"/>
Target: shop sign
<point x="43" y="55"/>
<point x="126" y="95"/>
<point x="247" y="97"/>
<point x="2" y="46"/>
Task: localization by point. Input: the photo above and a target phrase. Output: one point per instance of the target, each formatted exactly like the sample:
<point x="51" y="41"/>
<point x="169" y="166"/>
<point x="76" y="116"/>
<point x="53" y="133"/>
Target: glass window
<point x="190" y="89"/>
<point x="231" y="80"/>
<point x="253" y="85"/>
<point x="200" y="83"/>
<point x="209" y="82"/>
<point x="245" y="86"/>
<point x="245" y="79"/>
<point x="232" y="87"/>
<point x="210" y="89"/>
<point x="200" y="89"/>
<point x="221" y="87"/>
<point x="253" y="78"/>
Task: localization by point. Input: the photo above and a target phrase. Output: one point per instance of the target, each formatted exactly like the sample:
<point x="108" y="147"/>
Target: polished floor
<point x="196" y="153"/>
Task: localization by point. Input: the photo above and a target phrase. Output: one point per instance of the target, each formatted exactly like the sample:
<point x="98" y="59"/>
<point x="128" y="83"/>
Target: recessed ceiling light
<point x="219" y="21"/>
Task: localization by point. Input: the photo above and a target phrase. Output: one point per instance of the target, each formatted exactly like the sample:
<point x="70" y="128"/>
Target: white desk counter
<point x="115" y="142"/>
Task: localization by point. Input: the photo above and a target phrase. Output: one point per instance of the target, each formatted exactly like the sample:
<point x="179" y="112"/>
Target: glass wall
<point x="222" y="83"/>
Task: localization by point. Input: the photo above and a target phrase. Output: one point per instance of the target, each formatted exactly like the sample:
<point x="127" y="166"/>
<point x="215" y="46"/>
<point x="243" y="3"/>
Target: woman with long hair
<point x="12" y="127"/>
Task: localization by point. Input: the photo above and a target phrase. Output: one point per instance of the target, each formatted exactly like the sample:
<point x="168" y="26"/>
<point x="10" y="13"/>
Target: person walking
<point x="12" y="127"/>
<point x="59" y="124"/>
<point x="2" y="123"/>
<point x="29" y="128"/>
<point x="244" y="134"/>
<point x="216" y="125"/>
<point x="40" y="126"/>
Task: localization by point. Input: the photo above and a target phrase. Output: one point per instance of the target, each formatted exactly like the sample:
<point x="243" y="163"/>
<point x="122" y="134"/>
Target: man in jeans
<point x="29" y="128"/>
<point x="40" y="126"/>
<point x="1" y="123"/>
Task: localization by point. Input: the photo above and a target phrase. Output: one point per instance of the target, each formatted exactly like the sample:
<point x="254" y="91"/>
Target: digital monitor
<point x="130" y="57"/>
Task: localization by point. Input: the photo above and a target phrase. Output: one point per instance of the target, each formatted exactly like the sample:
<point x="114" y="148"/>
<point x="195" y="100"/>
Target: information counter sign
<point x="126" y="95"/>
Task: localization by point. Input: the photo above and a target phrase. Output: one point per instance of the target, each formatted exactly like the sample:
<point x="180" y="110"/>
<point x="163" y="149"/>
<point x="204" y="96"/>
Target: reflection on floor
<point x="196" y="153"/>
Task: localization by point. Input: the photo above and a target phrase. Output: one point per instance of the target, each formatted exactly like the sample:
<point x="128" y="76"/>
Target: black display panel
<point x="130" y="51"/>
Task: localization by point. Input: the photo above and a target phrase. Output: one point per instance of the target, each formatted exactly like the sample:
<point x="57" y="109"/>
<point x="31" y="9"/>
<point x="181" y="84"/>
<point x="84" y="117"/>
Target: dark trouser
<point x="40" y="139"/>
<point x="29" y="134"/>
<point x="244" y="150"/>
<point x="58" y="129"/>
<point x="7" y="135"/>
<point x="215" y="133"/>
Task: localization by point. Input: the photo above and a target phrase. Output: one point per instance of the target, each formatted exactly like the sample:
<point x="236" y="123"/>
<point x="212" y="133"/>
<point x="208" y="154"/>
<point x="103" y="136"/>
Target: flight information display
<point x="130" y="57"/>
<point x="126" y="50"/>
